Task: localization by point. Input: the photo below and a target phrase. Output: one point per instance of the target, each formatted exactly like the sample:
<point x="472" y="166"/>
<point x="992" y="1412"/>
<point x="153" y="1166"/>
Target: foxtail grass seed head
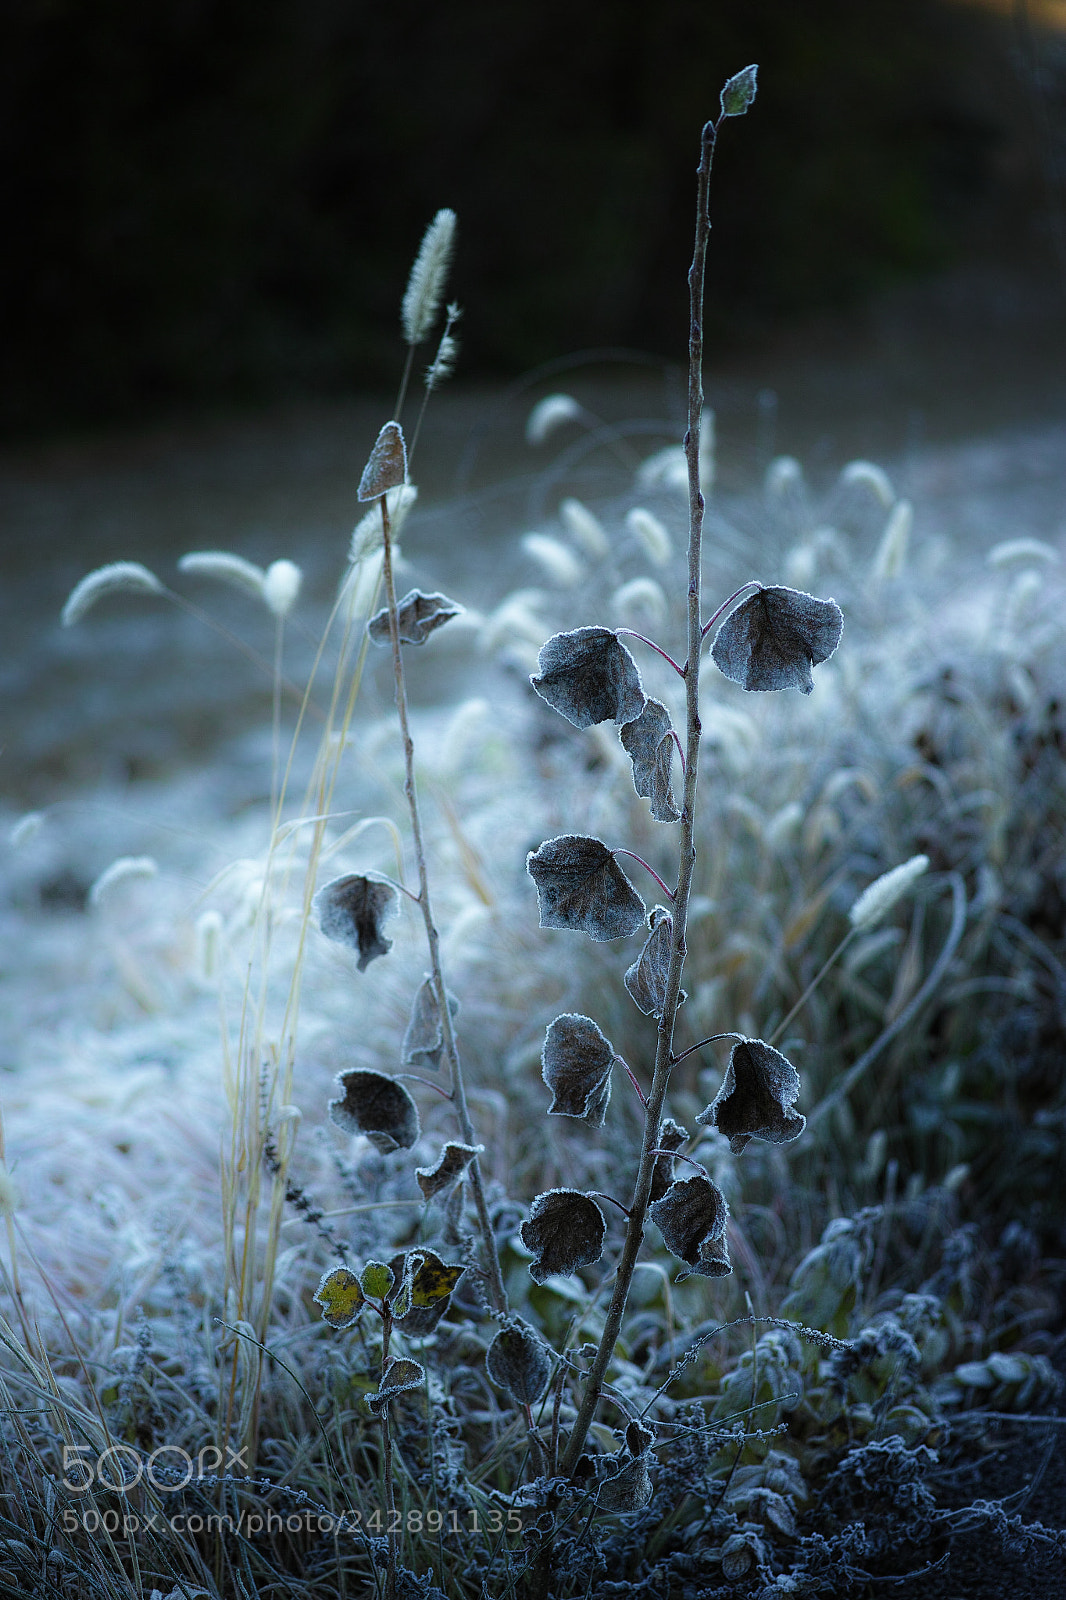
<point x="584" y="528"/>
<point x="866" y="475"/>
<point x="26" y="828"/>
<point x="1008" y="551"/>
<point x="641" y="600"/>
<point x="651" y="533"/>
<point x="1025" y="591"/>
<point x="367" y="534"/>
<point x="208" y="945"/>
<point x="281" y="585"/>
<point x="557" y="562"/>
<point x="425" y="286"/>
<point x="892" y="551"/>
<point x="667" y="470"/>
<point x="121" y="871"/>
<point x="115" y="577"/>
<point x="784" y="478"/>
<point x="550" y="413"/>
<point x="226" y="567"/>
<point x="878" y="898"/>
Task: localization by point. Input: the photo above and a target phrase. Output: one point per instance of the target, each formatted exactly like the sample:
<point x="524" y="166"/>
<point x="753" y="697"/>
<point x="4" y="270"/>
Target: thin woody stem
<point x="634" y="857"/>
<point x="451" y="1050"/>
<point x="752" y="583"/>
<point x="631" y="634"/>
<point x="664" y="1051"/>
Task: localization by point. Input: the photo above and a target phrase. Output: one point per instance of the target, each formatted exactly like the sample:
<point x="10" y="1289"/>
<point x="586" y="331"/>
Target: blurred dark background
<point x="214" y="203"/>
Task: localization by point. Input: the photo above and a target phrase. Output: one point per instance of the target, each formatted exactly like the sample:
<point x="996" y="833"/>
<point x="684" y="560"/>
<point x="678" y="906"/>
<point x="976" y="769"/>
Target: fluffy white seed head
<point x="652" y="534"/>
<point x="425" y="286"/>
<point x="121" y="871"/>
<point x="784" y="477"/>
<point x="892" y="550"/>
<point x="366" y="535"/>
<point x="640" y="600"/>
<point x="281" y="585"/>
<point x="117" y="575"/>
<point x="551" y="413"/>
<point x="560" y="564"/>
<point x="666" y="469"/>
<point x="208" y="944"/>
<point x="866" y="475"/>
<point x="878" y="898"/>
<point x="1008" y="551"/>
<point x="225" y="566"/>
<point x="584" y="528"/>
<point x="1025" y="591"/>
<point x="443" y="364"/>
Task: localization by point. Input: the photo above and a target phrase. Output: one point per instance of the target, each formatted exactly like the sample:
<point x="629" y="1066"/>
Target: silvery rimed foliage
<point x="352" y="910"/>
<point x="565" y="1230"/>
<point x="692" y="1217"/>
<point x="774" y="638"/>
<point x="376" y="1106"/>
<point x="447" y="1169"/>
<point x="417" y="615"/>
<point x="387" y="466"/>
<point x="588" y="676"/>
<point x="739" y="92"/>
<point x="423" y="1041"/>
<point x="424" y="1285"/>
<point x="646" y="978"/>
<point x="576" y="1065"/>
<point x="400" y="1377"/>
<point x="671" y="1137"/>
<point x="756" y="1098"/>
<point x="649" y="743"/>
<point x="581" y="886"/>
<point x="519" y="1361"/>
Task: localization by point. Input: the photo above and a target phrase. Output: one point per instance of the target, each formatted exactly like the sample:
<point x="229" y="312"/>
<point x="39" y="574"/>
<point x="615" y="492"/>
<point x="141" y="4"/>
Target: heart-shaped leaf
<point x="341" y="1297"/>
<point x="576" y="1065"/>
<point x="648" y="741"/>
<point x="376" y="1105"/>
<point x="646" y="978"/>
<point x="423" y="1042"/>
<point x="399" y="1377"/>
<point x="565" y="1230"/>
<point x="376" y="1279"/>
<point x="387" y="466"/>
<point x="448" y="1168"/>
<point x="589" y="676"/>
<point x="671" y="1137"/>
<point x="581" y="886"/>
<point x="425" y="1289"/>
<point x="352" y="910"/>
<point x="756" y="1098"/>
<point x="773" y="639"/>
<point x="519" y="1361"/>
<point x="417" y="616"/>
<point x="691" y="1216"/>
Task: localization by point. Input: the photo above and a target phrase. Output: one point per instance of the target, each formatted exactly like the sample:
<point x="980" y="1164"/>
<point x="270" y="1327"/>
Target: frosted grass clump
<point x="116" y="577"/>
<point x="651" y="533"/>
<point x="878" y="898"/>
<point x="584" y="528"/>
<point x="549" y="414"/>
<point x="425" y="286"/>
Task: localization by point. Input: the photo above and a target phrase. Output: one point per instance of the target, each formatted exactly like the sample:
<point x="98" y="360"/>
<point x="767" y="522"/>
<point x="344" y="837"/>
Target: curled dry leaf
<point x="399" y="1377"/>
<point x="447" y="1169"/>
<point x="671" y="1137"/>
<point x="773" y="639"/>
<point x="387" y="466"/>
<point x="417" y="615"/>
<point x="425" y="1285"/>
<point x="588" y="676"/>
<point x="646" y="978"/>
<point x="576" y="1065"/>
<point x="691" y="1216"/>
<point x="756" y="1098"/>
<point x="626" y="1489"/>
<point x="519" y="1361"/>
<point x="378" y="1107"/>
<point x="581" y="886"/>
<point x="341" y="1297"/>
<point x="352" y="910"/>
<point x="565" y="1230"/>
<point x="423" y="1042"/>
<point x="648" y="741"/>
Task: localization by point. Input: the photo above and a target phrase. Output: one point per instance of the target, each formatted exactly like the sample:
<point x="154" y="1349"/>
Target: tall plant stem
<point x="686" y="853"/>
<point x="451" y="1049"/>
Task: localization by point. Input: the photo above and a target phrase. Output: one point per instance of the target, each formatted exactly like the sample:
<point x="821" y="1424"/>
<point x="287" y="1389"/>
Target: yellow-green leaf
<point x="377" y="1280"/>
<point x="340" y="1296"/>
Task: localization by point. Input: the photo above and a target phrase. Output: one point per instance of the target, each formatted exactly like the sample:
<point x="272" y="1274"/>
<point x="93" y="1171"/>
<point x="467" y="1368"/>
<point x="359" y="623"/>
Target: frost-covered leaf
<point x="589" y="676"/>
<point x="639" y="1438"/>
<point x="376" y="1279"/>
<point x="739" y="92"/>
<point x="519" y="1361"/>
<point x="756" y="1098"/>
<point x="773" y="639"/>
<point x="423" y="1042"/>
<point x="425" y="1289"/>
<point x="399" y="1377"/>
<point x="691" y="1216"/>
<point x="448" y="1168"/>
<point x="565" y="1230"/>
<point x="352" y="910"/>
<point x="387" y="466"/>
<point x="626" y="1488"/>
<point x="576" y="1062"/>
<point x="646" y="978"/>
<point x="581" y="886"/>
<point x="417" y="615"/>
<point x="340" y="1296"/>
<point x="377" y="1106"/>
<point x="648" y="741"/>
<point x="671" y="1137"/>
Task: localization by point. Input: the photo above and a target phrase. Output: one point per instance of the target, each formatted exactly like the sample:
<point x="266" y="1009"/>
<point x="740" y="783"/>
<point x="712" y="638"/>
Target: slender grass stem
<point x="815" y="981"/>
